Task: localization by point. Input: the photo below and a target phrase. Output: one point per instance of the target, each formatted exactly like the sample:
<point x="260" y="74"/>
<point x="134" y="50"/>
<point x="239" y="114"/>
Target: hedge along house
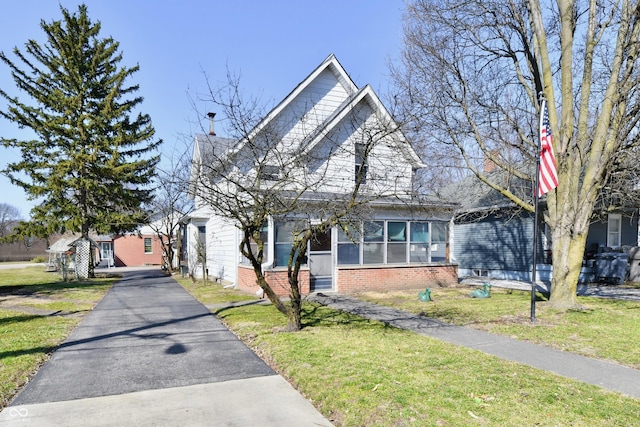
<point x="492" y="238"/>
<point x="324" y="129"/>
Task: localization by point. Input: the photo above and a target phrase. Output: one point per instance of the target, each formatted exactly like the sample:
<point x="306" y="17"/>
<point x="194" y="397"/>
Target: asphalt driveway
<point x="150" y="352"/>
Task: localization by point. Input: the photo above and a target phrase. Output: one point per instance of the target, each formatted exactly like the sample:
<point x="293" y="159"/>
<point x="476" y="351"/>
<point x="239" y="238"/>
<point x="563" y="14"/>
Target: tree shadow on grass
<point x="19" y="318"/>
<point x="27" y="351"/>
<point x="50" y="287"/>
<point x="316" y="315"/>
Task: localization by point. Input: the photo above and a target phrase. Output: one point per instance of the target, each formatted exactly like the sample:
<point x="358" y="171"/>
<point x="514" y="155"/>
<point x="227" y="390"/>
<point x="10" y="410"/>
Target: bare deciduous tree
<point x="9" y="217"/>
<point x="170" y="205"/>
<point x="471" y="78"/>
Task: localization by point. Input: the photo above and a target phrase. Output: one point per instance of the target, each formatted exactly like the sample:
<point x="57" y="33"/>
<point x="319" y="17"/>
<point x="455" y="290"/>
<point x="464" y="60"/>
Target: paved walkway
<point x="604" y="374"/>
<point x="150" y="354"/>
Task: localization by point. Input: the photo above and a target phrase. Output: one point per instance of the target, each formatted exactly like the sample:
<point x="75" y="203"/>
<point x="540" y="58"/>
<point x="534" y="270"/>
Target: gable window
<point x="148" y="247"/>
<point x="614" y="230"/>
<point x="269" y="172"/>
<point x="361" y="166"/>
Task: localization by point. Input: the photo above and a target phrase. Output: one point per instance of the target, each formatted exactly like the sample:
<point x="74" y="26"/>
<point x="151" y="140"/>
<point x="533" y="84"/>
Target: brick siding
<point x="357" y="279"/>
<point x="386" y="278"/>
<point x="128" y="251"/>
<point x="277" y="278"/>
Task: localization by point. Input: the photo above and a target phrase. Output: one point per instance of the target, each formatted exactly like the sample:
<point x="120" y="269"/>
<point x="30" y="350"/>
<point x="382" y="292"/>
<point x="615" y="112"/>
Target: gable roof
<point x="203" y="147"/>
<point x="474" y="195"/>
<point x="366" y="94"/>
<point x="355" y="96"/>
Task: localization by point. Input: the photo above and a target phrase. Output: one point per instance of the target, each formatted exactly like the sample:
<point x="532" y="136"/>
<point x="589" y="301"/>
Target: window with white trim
<point x="348" y="251"/>
<point x="361" y="166"/>
<point x="395" y="242"/>
<point x="148" y="245"/>
<point x="614" y="230"/>
<point x="373" y="243"/>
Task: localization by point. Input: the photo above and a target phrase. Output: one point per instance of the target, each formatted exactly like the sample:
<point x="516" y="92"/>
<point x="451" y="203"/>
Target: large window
<point x="264" y="237"/>
<point x="283" y="242"/>
<point x="438" y="241"/>
<point x="348" y="251"/>
<point x="419" y="242"/>
<point x="395" y="242"/>
<point x="373" y="243"/>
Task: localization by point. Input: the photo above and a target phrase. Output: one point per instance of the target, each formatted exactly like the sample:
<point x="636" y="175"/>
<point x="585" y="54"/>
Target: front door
<point x="320" y="263"/>
<point x="106" y="252"/>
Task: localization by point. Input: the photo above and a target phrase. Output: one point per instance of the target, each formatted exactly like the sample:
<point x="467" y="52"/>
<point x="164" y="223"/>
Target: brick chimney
<point x="489" y="165"/>
<point x="212" y="130"/>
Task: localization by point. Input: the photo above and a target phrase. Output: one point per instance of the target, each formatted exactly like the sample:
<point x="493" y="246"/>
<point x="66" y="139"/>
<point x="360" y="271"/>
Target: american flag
<point x="548" y="178"/>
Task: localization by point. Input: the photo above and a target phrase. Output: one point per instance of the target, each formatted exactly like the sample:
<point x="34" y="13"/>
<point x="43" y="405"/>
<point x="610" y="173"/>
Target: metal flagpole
<point x="536" y="198"/>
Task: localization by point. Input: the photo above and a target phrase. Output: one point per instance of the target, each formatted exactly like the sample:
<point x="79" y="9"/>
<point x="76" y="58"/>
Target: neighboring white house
<point x="404" y="243"/>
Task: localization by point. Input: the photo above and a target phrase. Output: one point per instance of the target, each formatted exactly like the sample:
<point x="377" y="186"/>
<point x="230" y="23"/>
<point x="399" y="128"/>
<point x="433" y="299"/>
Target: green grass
<point x="605" y="329"/>
<point x="363" y="373"/>
<point x="27" y="337"/>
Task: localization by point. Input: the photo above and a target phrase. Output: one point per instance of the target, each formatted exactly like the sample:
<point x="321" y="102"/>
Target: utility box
<point x="634" y="264"/>
<point x="611" y="267"/>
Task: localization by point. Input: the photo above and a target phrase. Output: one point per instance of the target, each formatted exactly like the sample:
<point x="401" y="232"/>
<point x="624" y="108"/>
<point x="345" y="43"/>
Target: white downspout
<point x="270" y="251"/>
<point x="270" y="245"/>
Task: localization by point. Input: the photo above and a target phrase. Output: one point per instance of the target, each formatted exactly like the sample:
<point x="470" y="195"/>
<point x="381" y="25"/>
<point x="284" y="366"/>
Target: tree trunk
<point x="295" y="315"/>
<point x="568" y="253"/>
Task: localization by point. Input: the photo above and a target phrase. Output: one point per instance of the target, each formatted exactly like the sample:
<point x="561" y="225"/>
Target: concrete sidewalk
<point x="593" y="371"/>
<point x="150" y="354"/>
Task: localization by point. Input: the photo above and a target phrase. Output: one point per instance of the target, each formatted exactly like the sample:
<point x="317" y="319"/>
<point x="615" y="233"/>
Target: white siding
<point x="314" y="105"/>
<point x="388" y="170"/>
<point x="222" y="249"/>
<point x="221" y="246"/>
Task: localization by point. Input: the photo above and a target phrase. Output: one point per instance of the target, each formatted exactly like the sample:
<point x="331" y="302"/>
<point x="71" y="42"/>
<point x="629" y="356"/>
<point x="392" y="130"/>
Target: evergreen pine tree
<point x="93" y="158"/>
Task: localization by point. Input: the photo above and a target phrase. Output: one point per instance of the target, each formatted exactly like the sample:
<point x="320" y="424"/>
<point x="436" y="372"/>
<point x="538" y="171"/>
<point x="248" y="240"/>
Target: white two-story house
<point x="336" y="135"/>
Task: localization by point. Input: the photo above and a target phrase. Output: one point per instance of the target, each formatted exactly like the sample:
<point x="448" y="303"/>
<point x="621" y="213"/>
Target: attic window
<point x="269" y="173"/>
<point x="360" y="164"/>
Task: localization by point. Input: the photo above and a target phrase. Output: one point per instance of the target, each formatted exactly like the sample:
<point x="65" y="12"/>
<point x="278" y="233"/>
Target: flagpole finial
<point x="541" y="96"/>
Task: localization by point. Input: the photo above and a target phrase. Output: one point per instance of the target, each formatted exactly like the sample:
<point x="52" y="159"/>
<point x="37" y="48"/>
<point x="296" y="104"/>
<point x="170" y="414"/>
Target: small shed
<point x="63" y="255"/>
<point x="60" y="252"/>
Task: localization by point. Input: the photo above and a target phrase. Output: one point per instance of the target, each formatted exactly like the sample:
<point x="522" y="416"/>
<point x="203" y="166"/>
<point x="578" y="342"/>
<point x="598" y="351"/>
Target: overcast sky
<point x="272" y="44"/>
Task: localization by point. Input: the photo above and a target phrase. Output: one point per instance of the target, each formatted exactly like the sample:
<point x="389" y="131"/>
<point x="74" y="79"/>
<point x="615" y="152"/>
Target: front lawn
<point x="605" y="329"/>
<point x="37" y="312"/>
<point x="362" y="373"/>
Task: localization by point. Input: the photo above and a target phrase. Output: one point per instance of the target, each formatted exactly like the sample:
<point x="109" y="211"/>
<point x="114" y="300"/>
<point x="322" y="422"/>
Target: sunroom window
<point x="373" y="246"/>
<point x="348" y="251"/>
<point x="420" y="242"/>
<point x="396" y="242"/>
<point x="438" y="241"/>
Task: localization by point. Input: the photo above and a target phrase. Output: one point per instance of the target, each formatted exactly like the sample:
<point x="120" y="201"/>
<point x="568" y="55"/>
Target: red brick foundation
<point x="276" y="278"/>
<point x="386" y="278"/>
<point x="352" y="279"/>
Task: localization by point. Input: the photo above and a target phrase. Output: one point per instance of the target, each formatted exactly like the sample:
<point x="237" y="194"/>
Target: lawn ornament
<point x="425" y="296"/>
<point x="482" y="293"/>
